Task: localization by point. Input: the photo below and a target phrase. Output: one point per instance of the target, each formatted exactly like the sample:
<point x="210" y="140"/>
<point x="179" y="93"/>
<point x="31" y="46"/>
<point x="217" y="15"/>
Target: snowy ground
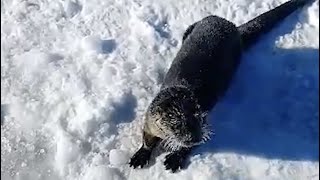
<point x="77" y="76"/>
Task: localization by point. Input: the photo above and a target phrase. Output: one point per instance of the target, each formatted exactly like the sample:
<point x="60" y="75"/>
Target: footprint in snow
<point x="4" y="112"/>
<point x="97" y="45"/>
<point x="72" y="8"/>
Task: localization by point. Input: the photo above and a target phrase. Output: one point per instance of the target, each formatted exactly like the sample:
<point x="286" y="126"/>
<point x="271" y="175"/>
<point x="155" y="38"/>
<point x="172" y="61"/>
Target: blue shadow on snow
<point x="272" y="108"/>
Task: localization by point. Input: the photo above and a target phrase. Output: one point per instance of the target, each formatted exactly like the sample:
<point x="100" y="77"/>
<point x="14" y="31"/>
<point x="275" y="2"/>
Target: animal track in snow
<point x="72" y="8"/>
<point x="94" y="44"/>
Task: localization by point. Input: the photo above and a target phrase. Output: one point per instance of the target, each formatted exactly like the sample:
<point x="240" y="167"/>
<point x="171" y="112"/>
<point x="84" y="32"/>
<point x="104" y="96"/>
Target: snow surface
<point x="77" y="76"/>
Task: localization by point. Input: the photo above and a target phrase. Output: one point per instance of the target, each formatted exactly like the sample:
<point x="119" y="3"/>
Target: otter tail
<point x="251" y="30"/>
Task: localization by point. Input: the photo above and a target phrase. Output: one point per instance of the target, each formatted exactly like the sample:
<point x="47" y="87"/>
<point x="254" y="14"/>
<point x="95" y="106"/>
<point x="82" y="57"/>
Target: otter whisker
<point x="171" y="144"/>
<point x="165" y="142"/>
<point x="206" y="133"/>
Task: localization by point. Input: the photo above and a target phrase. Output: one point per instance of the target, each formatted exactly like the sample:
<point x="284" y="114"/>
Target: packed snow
<point x="78" y="75"/>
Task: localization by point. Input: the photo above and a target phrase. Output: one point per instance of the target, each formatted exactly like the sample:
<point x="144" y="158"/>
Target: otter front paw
<point x="174" y="161"/>
<point x="140" y="158"/>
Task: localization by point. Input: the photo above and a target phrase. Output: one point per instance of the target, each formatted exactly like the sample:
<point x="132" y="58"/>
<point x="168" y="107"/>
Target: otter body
<point x="199" y="75"/>
<point x="207" y="60"/>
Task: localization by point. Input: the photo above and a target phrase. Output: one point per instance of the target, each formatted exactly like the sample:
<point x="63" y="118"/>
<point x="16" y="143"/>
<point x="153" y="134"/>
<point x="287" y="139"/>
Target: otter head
<point x="178" y="119"/>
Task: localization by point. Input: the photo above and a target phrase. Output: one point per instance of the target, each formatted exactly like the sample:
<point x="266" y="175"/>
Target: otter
<point x="197" y="79"/>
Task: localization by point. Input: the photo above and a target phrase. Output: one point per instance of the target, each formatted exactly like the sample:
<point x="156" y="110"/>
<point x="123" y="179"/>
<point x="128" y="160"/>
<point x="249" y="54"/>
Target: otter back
<point x="207" y="60"/>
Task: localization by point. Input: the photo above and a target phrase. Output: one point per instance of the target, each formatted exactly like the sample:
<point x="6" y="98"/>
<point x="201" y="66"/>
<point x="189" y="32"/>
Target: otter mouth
<point x="173" y="144"/>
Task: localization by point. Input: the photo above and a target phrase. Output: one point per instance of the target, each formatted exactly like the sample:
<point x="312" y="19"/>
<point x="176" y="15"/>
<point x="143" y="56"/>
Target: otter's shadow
<point x="271" y="110"/>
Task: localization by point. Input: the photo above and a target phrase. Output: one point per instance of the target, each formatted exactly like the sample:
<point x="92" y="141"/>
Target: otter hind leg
<point x="142" y="156"/>
<point x="177" y="159"/>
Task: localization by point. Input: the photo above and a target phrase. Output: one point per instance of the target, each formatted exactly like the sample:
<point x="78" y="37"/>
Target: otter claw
<point x="173" y="162"/>
<point x="140" y="158"/>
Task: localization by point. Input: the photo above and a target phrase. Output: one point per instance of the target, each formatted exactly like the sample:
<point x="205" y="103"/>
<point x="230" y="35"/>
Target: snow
<point x="77" y="77"/>
<point x="118" y="157"/>
<point x="103" y="172"/>
<point x="94" y="44"/>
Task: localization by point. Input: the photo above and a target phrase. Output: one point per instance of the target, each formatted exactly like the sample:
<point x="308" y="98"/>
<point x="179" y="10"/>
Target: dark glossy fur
<point x="202" y="71"/>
